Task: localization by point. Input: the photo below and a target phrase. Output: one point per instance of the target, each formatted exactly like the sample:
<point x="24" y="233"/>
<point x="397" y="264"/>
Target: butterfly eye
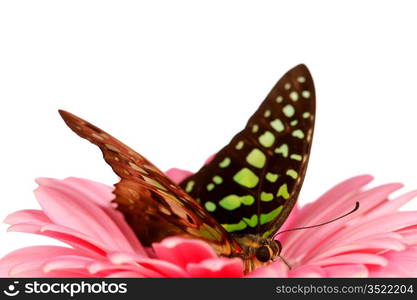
<point x="276" y="247"/>
<point x="263" y="254"/>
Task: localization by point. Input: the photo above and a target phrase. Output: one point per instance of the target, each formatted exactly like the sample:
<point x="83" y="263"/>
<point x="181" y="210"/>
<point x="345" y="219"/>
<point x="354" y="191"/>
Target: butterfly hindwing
<point x="251" y="185"/>
<point x="153" y="206"/>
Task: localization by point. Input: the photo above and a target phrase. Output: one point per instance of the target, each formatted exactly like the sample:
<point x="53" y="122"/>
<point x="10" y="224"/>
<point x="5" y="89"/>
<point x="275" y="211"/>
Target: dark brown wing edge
<point x="299" y="70"/>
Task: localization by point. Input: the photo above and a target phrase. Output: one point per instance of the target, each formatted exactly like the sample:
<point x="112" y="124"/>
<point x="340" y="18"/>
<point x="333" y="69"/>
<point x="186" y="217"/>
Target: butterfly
<point x="238" y="201"/>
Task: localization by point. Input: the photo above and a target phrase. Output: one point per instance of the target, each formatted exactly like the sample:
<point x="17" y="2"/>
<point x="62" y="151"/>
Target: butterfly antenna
<point x="313" y="226"/>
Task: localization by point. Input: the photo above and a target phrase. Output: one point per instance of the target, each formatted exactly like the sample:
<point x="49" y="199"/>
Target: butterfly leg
<point x="248" y="263"/>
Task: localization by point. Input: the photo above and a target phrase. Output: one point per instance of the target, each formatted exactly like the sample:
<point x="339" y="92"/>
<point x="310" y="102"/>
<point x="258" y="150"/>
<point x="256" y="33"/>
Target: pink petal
<point x="59" y="202"/>
<point x="69" y="236"/>
<point x="389" y="206"/>
<point x="24" y="227"/>
<point x="99" y="193"/>
<point x="124" y="260"/>
<point x="125" y="274"/>
<point x="354" y="258"/>
<point x="307" y="272"/>
<point x="66" y="262"/>
<point x="217" y="267"/>
<point x="377" y="240"/>
<point x="27" y="216"/>
<point x="165" y="268"/>
<point x="324" y="237"/>
<point x="37" y="222"/>
<point x="66" y="235"/>
<point x="103" y="195"/>
<point x="29" y="254"/>
<point x="273" y="270"/>
<point x="346" y="188"/>
<point x="395" y="221"/>
<point x="400" y="264"/>
<point x="126" y="231"/>
<point x="368" y="245"/>
<point x="181" y="251"/>
<point x="119" y="258"/>
<point x="409" y="235"/>
<point x="353" y="270"/>
<point x="35" y="269"/>
<point x="209" y="159"/>
<point x="97" y="267"/>
<point x="313" y="213"/>
<point x="32" y="221"/>
<point x="177" y="175"/>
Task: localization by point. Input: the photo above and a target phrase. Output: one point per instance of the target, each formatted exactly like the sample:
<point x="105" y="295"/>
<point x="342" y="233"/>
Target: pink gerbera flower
<point x="378" y="240"/>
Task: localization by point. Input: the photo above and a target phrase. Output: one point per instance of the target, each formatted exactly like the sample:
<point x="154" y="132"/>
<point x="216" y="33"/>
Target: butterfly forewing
<point x="252" y="184"/>
<point x="153" y="206"/>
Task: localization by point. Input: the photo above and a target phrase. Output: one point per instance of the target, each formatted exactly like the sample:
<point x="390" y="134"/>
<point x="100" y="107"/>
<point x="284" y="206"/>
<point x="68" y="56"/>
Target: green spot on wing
<point x="255" y="128"/>
<point x="225" y="162"/>
<point x="266" y="197"/>
<point x="267" y="139"/>
<point x="306" y="115"/>
<point x="232" y="202"/>
<point x="292" y="173"/>
<point x="247" y="199"/>
<point x="294" y="96"/>
<point x="189" y="186"/>
<point x="246" y="178"/>
<point x="277" y="125"/>
<point x="266" y="218"/>
<point x="235" y="227"/>
<point x="283" y="191"/>
<point x="288" y="110"/>
<point x="296" y="157"/>
<point x="283" y="149"/>
<point x="267" y="233"/>
<point x="267" y="113"/>
<point x="305" y="94"/>
<point x="256" y="158"/>
<point x="271" y="177"/>
<point x="210" y="206"/>
<point x="217" y="179"/>
<point x="301" y="79"/>
<point x="298" y="133"/>
<point x="210" y="187"/>
<point x="252" y="222"/>
<point x="240" y="145"/>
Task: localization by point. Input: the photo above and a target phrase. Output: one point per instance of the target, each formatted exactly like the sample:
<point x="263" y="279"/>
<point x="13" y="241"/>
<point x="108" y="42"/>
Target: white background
<point x="176" y="80"/>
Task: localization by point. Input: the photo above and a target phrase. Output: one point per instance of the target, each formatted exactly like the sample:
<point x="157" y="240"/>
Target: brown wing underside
<point x="153" y="206"/>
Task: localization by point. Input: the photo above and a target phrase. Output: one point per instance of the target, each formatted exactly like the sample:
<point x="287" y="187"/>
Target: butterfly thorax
<point x="257" y="251"/>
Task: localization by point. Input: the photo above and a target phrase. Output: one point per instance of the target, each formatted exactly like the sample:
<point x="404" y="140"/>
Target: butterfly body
<point x="237" y="201"/>
<point x="257" y="251"/>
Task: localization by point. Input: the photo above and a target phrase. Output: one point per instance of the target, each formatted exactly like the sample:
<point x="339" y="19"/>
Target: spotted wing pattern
<point x="252" y="184"/>
<point x="153" y="206"/>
